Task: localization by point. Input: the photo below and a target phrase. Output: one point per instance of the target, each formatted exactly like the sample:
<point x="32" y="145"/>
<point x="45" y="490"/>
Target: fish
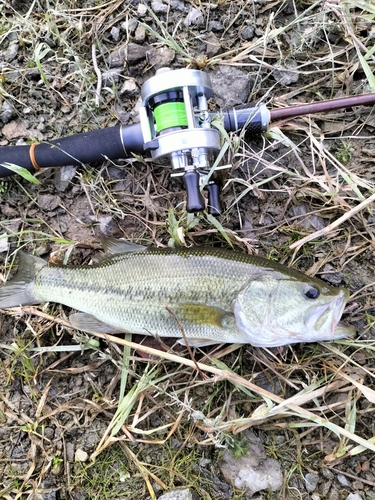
<point x="214" y="295"/>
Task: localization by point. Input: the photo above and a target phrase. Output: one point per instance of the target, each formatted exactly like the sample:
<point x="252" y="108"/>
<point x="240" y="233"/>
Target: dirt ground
<point x="63" y="392"/>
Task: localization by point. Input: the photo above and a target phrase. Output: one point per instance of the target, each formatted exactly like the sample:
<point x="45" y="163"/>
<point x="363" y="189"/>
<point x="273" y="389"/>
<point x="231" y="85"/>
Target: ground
<point x="89" y="418"/>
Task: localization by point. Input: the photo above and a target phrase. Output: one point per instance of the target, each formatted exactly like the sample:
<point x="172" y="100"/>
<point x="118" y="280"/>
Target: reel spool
<point x="175" y="123"/>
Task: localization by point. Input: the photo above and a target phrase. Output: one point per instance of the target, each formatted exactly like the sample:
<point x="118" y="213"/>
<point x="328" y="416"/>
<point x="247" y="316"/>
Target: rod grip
<point x="254" y="119"/>
<point x="88" y="147"/>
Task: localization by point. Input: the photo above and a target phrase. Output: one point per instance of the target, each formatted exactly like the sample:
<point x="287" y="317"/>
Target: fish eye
<point x="311" y="292"/>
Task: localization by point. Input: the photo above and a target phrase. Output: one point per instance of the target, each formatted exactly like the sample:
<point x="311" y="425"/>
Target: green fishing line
<point x="170" y="114"/>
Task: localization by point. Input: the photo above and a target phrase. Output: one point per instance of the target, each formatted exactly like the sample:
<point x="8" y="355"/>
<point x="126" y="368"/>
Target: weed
<point x="344" y="151"/>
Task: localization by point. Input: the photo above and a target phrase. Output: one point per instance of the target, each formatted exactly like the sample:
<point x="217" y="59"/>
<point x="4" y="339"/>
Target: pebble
<point x="212" y="43"/>
<point x="4" y="246"/>
<point x="215" y="26"/>
<point x="136" y="52"/>
<point x="115" y="34"/>
<point x="70" y="452"/>
<point x="247" y="33"/>
<point x="178" y="5"/>
<point x="331" y="275"/>
<point x="287" y="75"/>
<point x="354" y="496"/>
<point x="141" y="10"/>
<point x="194" y="17"/>
<point x="48" y="202"/>
<point x="47" y="491"/>
<point x="310" y="222"/>
<point x="231" y="86"/>
<point x="311" y="481"/>
<point x="140" y="34"/>
<point x="160" y="57"/>
<point x="63" y="177"/>
<point x="7" y="112"/>
<point x="180" y="494"/>
<point x="129" y="87"/>
<point x="17" y="130"/>
<point x="11" y="52"/>
<point x="159" y="7"/>
<point x="130" y="25"/>
<point x="80" y="455"/>
<point x="252" y="472"/>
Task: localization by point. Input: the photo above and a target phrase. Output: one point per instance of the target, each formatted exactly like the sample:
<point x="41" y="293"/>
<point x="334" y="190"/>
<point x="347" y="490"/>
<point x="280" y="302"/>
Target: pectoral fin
<point x="88" y="323"/>
<point x="201" y="314"/>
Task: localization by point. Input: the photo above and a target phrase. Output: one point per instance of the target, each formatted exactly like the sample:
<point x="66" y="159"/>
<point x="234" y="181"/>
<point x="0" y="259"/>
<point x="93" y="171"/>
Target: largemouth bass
<point x="216" y="295"/>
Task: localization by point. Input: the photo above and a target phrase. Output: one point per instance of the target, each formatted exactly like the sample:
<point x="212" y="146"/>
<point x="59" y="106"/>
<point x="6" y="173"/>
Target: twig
<point x="98" y="74"/>
<point x="334" y="224"/>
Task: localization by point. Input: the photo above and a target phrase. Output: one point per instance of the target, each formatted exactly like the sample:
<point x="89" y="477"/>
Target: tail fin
<point x="20" y="290"/>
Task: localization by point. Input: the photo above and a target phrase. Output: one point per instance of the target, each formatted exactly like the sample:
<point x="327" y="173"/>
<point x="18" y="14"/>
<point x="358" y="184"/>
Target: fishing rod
<point x="174" y="122"/>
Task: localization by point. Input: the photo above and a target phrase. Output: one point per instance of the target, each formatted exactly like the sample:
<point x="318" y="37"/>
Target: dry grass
<point x="318" y="397"/>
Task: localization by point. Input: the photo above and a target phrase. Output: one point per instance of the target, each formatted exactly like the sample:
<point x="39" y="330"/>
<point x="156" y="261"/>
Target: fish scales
<point x="120" y="288"/>
<point x="217" y="296"/>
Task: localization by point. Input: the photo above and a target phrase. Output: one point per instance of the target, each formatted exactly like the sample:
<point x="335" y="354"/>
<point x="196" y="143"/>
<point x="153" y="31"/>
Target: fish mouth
<point x="325" y="318"/>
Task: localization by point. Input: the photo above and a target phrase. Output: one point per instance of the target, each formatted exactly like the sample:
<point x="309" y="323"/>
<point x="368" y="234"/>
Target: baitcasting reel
<point x="175" y="123"/>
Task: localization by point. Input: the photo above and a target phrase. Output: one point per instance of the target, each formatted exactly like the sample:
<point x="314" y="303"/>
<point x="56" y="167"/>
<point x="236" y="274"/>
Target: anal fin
<point x="88" y="323"/>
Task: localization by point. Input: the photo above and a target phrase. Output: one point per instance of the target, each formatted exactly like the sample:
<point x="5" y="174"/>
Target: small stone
<point x="7" y="112"/>
<point x="327" y="473"/>
<point x="130" y="87"/>
<point x="287" y="75"/>
<point x="18" y="130"/>
<point x="231" y="86"/>
<point x="304" y="219"/>
<point x="180" y="494"/>
<point x="141" y="10"/>
<point x="252" y="472"/>
<point x="160" y="57"/>
<point x="311" y="481"/>
<point x="354" y="496"/>
<point x="117" y="58"/>
<point x="136" y="52"/>
<point x="330" y="274"/>
<point x="247" y="33"/>
<point x="48" y="202"/>
<point x="80" y="455"/>
<point x="130" y="25"/>
<point x="70" y="452"/>
<point x="213" y="44"/>
<point x="108" y="227"/>
<point x="4" y="246"/>
<point x="11" y="52"/>
<point x="47" y="491"/>
<point x="215" y="26"/>
<point x="115" y="34"/>
<point x="194" y="17"/>
<point x="140" y="34"/>
<point x="159" y="7"/>
<point x="178" y="5"/>
<point x="63" y="177"/>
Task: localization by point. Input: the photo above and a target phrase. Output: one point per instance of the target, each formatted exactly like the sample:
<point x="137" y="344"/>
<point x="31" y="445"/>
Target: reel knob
<point x="214" y="204"/>
<point x="194" y="198"/>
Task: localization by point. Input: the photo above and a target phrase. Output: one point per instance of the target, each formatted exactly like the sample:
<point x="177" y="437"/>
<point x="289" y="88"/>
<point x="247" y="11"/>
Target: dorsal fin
<point x="112" y="246"/>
